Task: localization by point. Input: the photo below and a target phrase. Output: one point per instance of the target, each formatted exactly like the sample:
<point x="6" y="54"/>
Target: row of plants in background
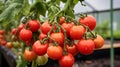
<point x="59" y="37"/>
<point x="103" y="29"/>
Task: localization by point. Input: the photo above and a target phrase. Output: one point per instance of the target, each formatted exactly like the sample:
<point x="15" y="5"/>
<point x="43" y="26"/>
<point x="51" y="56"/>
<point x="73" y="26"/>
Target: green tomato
<point x="16" y="44"/>
<point x="42" y="60"/>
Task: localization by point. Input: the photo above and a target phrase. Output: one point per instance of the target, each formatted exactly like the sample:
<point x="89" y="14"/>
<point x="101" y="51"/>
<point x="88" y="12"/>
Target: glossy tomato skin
<point x="34" y="25"/>
<point x="76" y="32"/>
<point x="29" y="55"/>
<point x="54" y="52"/>
<point x="62" y="20"/>
<point x="40" y="49"/>
<point x="3" y="42"/>
<point x="86" y="47"/>
<point x="2" y="32"/>
<point x="25" y="34"/>
<point x="9" y="45"/>
<point x="20" y="27"/>
<point x="99" y="41"/>
<point x="72" y="49"/>
<point x="58" y="37"/>
<point x="42" y="36"/>
<point x="14" y="31"/>
<point x="67" y="27"/>
<point x="89" y="21"/>
<point x="45" y="27"/>
<point x="66" y="60"/>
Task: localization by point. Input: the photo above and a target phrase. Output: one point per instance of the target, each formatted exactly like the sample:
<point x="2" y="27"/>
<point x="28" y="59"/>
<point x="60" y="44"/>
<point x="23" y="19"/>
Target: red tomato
<point x="42" y="36"/>
<point x="29" y="55"/>
<point x="25" y="34"/>
<point x="58" y="37"/>
<point x="62" y="20"/>
<point x="3" y="42"/>
<point x="89" y="21"/>
<point x="72" y="49"/>
<point x="39" y="49"/>
<point x="34" y="25"/>
<point x="76" y="32"/>
<point x="45" y="27"/>
<point x="99" y="41"/>
<point x="67" y="27"/>
<point x="2" y="32"/>
<point x="1" y="36"/>
<point x="54" y="52"/>
<point x="20" y="27"/>
<point x="86" y="47"/>
<point x="66" y="61"/>
<point x="14" y="31"/>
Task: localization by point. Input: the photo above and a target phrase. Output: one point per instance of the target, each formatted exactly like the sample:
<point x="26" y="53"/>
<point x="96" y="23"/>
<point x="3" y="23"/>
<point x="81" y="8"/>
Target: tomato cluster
<point x="59" y="40"/>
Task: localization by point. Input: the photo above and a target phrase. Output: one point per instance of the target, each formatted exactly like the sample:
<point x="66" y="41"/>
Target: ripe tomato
<point x="67" y="27"/>
<point x="99" y="41"/>
<point x="86" y="47"/>
<point x="9" y="45"/>
<point x="54" y="52"/>
<point x="25" y="34"/>
<point x="3" y="42"/>
<point x="89" y="21"/>
<point x="29" y="55"/>
<point x="62" y="20"/>
<point x="42" y="36"/>
<point x="76" y="32"/>
<point x="14" y="31"/>
<point x="58" y="37"/>
<point x="39" y="49"/>
<point x="72" y="49"/>
<point x="42" y="60"/>
<point x="1" y="36"/>
<point x="34" y="25"/>
<point x="20" y="27"/>
<point x="2" y="32"/>
<point x="66" y="61"/>
<point x="45" y="27"/>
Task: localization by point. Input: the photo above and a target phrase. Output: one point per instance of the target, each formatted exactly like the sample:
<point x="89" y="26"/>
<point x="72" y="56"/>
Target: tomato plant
<point x="46" y="28"/>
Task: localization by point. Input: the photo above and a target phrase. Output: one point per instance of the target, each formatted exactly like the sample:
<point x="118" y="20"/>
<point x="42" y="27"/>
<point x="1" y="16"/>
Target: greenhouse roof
<point x="96" y="5"/>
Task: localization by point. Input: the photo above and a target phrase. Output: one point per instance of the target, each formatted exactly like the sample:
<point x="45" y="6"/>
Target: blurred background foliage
<point x="103" y="28"/>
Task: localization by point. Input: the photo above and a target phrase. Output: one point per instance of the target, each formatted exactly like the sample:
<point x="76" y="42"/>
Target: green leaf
<point x="26" y="7"/>
<point x="64" y="1"/>
<point x="10" y="12"/>
<point x="52" y="11"/>
<point x="70" y="12"/>
<point x="40" y="7"/>
<point x="75" y="1"/>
